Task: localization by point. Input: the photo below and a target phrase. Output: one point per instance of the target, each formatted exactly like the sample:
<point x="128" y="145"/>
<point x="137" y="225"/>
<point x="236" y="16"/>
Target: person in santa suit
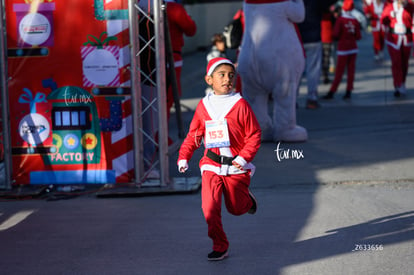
<point x="180" y="23"/>
<point x="373" y="12"/>
<point x="271" y="63"/>
<point x="347" y="31"/>
<point x="327" y="44"/>
<point x="231" y="136"/>
<point x="399" y="39"/>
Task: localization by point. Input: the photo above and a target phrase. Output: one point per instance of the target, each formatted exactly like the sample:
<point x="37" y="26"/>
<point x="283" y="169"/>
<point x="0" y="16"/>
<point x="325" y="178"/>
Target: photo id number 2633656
<point x="368" y="247"/>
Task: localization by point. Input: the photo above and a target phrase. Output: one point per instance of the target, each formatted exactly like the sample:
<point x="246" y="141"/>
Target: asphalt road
<point x="300" y="229"/>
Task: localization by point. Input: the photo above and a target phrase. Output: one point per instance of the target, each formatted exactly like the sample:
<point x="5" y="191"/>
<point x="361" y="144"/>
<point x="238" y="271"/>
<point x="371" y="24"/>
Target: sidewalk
<point x="368" y="139"/>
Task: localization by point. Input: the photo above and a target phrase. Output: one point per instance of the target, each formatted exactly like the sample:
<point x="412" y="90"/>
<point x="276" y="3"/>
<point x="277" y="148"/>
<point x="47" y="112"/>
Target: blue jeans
<point x="313" y="68"/>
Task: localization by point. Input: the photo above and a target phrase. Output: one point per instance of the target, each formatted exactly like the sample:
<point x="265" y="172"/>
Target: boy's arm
<point x="252" y="138"/>
<point x="192" y="141"/>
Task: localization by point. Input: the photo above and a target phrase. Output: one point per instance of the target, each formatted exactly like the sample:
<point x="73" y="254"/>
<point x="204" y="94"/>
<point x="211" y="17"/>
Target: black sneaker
<point x="347" y="95"/>
<point x="326" y="80"/>
<point x="253" y="209"/>
<point x="397" y="93"/>
<point x="312" y="104"/>
<point x="329" y="95"/>
<point x="217" y="256"/>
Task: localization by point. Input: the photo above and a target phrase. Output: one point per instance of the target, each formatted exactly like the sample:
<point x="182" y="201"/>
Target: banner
<point x="69" y="91"/>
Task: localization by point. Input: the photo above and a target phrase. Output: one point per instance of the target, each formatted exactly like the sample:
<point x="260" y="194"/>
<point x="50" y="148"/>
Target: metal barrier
<point x="5" y="163"/>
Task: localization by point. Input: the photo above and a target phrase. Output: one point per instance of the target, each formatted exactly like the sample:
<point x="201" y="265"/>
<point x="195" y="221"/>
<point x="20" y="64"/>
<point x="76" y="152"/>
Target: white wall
<point x="210" y="18"/>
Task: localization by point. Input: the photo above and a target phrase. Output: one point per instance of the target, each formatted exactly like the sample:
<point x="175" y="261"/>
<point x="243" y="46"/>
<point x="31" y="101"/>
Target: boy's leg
<point x="236" y="193"/>
<point x="211" y="193"/>
<point x="406" y="51"/>
<point x="351" y="72"/>
<point x="376" y="37"/>
<point x="340" y="68"/>
<point x="396" y="65"/>
<point x="313" y="68"/>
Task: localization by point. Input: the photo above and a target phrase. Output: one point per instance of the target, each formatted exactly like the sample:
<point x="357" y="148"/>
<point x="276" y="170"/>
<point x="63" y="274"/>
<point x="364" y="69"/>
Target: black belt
<point x="219" y="158"/>
<point x="407" y="32"/>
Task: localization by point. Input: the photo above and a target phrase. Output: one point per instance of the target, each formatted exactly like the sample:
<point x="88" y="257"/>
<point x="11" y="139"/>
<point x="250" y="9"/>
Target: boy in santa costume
<point x="231" y="136"/>
<point x="347" y="31"/>
<point x="399" y="39"/>
<point x="373" y="12"/>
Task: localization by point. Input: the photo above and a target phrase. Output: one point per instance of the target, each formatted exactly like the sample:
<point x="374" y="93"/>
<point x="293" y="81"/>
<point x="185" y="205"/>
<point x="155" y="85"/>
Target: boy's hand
<point x="182" y="165"/>
<point x="238" y="166"/>
<point x="239" y="162"/>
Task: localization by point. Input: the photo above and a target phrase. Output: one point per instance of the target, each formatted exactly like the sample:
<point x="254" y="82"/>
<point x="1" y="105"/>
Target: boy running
<point x="232" y="137"/>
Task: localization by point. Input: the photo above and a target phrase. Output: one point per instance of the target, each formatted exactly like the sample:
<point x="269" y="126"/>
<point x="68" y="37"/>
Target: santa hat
<point x="348" y="5"/>
<point x="215" y="62"/>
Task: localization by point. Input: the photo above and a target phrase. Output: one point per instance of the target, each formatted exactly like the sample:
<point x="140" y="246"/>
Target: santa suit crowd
<point x="398" y="23"/>
<point x="346" y="31"/>
<point x="373" y="11"/>
<point x="327" y="43"/>
<point x="218" y="179"/>
<point x="179" y="24"/>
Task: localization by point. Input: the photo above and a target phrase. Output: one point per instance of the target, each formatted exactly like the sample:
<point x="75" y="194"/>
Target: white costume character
<point x="271" y="62"/>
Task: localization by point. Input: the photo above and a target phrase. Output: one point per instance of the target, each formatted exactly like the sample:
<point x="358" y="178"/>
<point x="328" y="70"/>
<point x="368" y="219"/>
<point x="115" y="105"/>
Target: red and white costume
<point x="179" y="24"/>
<point x="399" y="40"/>
<point x="347" y="32"/>
<point x="219" y="179"/>
<point x="373" y="11"/>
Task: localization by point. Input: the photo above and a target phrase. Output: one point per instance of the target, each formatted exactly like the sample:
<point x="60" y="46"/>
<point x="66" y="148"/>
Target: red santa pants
<point x="378" y="41"/>
<point x="236" y="197"/>
<point x="343" y="61"/>
<point x="399" y="64"/>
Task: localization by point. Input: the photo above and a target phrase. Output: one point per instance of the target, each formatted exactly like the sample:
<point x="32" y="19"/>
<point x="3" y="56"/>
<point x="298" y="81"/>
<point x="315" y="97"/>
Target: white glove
<point x="241" y="161"/>
<point x="182" y="165"/>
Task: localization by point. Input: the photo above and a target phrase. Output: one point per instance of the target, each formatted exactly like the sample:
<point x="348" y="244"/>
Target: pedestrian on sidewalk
<point x="218" y="47"/>
<point x="399" y="40"/>
<point x="310" y="31"/>
<point x="231" y="136"/>
<point x="180" y="24"/>
<point x="327" y="23"/>
<point x="347" y="31"/>
<point x="373" y="12"/>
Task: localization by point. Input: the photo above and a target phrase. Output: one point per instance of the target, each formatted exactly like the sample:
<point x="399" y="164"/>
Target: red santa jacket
<point x="180" y="24"/>
<point x="326" y="27"/>
<point x="398" y="23"/>
<point x="373" y="11"/>
<point x="347" y="31"/>
<point x="244" y="133"/>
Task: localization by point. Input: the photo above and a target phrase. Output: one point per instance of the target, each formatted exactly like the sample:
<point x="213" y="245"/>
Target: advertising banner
<point x="69" y="91"/>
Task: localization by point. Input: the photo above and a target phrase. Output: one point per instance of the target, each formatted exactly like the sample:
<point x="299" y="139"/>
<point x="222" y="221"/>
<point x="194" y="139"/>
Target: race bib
<point x="399" y="28"/>
<point x="217" y="134"/>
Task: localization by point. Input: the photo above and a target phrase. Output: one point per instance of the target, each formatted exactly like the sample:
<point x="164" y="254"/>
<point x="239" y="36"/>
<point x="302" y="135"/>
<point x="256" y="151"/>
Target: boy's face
<point x="221" y="80"/>
<point x="221" y="46"/>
